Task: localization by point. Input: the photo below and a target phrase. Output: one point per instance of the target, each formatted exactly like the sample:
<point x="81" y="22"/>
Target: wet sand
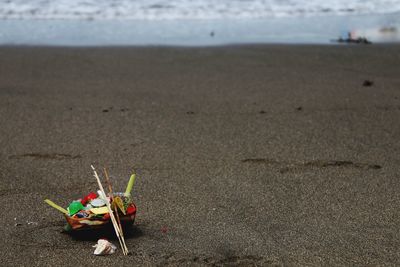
<point x="245" y="155"/>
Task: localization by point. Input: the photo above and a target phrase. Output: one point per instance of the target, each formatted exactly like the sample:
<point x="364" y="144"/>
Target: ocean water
<point x="195" y="22"/>
<point x="189" y="9"/>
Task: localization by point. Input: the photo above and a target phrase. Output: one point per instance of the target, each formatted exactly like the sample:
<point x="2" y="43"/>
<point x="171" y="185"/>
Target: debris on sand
<point x="368" y="83"/>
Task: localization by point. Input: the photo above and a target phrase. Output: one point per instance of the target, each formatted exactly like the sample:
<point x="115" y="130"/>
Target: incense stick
<point x="103" y="196"/>
<point x="116" y="228"/>
<point x="116" y="209"/>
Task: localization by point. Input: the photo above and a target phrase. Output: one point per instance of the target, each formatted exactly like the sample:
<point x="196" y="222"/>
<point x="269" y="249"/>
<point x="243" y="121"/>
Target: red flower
<point x="89" y="197"/>
<point x="131" y="209"/>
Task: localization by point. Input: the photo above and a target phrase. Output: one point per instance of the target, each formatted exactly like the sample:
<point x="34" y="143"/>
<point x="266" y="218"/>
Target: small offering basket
<point x="88" y="219"/>
<point x="97" y="210"/>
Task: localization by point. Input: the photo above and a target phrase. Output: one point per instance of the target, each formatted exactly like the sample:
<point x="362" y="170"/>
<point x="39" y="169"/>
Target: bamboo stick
<point x="115" y="209"/>
<point x="54" y="205"/>
<point x="116" y="228"/>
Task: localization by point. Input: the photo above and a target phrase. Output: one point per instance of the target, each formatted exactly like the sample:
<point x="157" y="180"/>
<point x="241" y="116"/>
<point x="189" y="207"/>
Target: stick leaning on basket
<point x="118" y="230"/>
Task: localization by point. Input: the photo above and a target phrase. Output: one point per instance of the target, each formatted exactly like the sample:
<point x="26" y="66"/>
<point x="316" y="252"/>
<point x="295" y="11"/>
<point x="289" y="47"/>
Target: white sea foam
<point x="189" y="9"/>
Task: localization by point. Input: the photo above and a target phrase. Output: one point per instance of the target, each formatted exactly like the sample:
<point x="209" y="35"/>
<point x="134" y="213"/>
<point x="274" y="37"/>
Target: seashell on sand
<point x="104" y="247"/>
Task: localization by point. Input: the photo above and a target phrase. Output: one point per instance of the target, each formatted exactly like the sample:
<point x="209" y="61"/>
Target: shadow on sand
<point x="107" y="232"/>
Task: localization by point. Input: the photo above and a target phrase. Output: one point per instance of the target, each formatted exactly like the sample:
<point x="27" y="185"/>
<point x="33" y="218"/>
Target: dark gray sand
<point x="245" y="155"/>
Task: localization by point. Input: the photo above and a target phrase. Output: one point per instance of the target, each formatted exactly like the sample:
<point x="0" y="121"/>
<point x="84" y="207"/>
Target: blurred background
<point x="195" y="22"/>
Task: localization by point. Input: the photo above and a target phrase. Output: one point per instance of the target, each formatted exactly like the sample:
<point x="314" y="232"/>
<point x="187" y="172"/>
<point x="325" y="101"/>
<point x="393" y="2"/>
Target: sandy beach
<point x="245" y="155"/>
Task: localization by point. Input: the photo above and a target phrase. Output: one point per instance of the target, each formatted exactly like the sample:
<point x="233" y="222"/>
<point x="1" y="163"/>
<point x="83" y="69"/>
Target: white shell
<point x="104" y="247"/>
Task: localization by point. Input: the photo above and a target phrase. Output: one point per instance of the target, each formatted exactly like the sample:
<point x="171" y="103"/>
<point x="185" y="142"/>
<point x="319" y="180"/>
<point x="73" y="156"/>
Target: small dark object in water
<point x="359" y="40"/>
<point x="212" y="34"/>
<point x="105" y="110"/>
<point x="388" y="29"/>
<point x="190" y="112"/>
<point x="262" y="112"/>
<point x="351" y="40"/>
<point x="299" y="108"/>
<point x="368" y="83"/>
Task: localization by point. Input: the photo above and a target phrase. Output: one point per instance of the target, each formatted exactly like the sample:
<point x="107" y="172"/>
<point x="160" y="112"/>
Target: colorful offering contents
<point x="95" y="212"/>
